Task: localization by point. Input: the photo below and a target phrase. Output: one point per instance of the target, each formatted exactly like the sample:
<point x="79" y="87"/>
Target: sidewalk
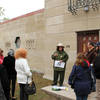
<point x="59" y="95"/>
<point x="65" y="94"/>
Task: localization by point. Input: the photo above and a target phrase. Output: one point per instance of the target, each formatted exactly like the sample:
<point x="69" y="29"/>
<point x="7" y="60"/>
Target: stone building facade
<point x="30" y="28"/>
<point x="42" y="30"/>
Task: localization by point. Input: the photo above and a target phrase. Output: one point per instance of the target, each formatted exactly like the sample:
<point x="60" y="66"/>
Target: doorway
<point x="83" y="37"/>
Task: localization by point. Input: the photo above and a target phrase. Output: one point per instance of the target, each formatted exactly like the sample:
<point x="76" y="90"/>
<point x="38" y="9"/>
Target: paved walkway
<point x="65" y="94"/>
<point x="59" y="95"/>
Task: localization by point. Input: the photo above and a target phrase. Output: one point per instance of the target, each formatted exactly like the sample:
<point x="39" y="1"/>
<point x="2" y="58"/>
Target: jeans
<point x="82" y="97"/>
<point x="23" y="95"/>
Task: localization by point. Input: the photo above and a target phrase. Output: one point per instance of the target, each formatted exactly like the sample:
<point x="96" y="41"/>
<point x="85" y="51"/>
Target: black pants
<point x="23" y="95"/>
<point x="58" y="74"/>
<point x="13" y="81"/>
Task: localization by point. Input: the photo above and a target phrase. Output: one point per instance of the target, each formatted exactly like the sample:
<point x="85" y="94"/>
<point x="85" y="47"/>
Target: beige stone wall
<point x="99" y="35"/>
<point x="61" y="26"/>
<point x="41" y="32"/>
<point x="30" y="29"/>
<point x="55" y="11"/>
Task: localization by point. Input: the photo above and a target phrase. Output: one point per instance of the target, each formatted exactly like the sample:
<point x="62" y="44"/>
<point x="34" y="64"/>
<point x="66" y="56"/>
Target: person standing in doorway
<point x="92" y="52"/>
<point x="91" y="55"/>
<point x="60" y="58"/>
<point x="9" y="63"/>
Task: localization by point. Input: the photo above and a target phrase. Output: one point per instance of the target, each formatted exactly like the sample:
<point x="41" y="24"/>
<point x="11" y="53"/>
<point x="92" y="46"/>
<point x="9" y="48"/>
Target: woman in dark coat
<point x="9" y="63"/>
<point x="80" y="78"/>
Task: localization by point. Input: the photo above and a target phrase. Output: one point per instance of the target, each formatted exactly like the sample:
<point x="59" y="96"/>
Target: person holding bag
<point x="23" y="71"/>
<point x="30" y="88"/>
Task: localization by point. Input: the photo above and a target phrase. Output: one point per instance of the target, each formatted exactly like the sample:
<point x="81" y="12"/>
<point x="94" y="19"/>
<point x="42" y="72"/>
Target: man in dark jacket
<point x="97" y="71"/>
<point x="9" y="63"/>
<point x="97" y="66"/>
<point x="59" y="57"/>
<point x="97" y="63"/>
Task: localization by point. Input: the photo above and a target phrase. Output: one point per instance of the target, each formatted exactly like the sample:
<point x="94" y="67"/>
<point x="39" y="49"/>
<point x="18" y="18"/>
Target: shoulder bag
<point x="30" y="88"/>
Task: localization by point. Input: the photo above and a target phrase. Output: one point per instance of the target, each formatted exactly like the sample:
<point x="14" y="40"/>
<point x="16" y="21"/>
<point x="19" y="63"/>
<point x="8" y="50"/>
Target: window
<point x="17" y="42"/>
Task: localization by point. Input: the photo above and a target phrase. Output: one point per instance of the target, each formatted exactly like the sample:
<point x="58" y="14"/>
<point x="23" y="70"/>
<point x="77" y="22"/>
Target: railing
<point x="75" y="5"/>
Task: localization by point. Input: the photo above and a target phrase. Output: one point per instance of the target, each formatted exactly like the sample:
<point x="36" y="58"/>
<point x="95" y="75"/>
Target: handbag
<point x="30" y="88"/>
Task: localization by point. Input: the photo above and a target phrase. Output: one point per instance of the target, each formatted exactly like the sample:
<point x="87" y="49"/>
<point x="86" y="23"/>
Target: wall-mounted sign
<point x="30" y="44"/>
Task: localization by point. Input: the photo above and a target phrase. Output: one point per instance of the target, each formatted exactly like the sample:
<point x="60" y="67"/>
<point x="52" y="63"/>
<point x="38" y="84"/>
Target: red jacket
<point x="1" y="59"/>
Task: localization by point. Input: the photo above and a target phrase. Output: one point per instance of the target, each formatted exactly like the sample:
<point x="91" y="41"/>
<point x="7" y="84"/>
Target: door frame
<point x="86" y="32"/>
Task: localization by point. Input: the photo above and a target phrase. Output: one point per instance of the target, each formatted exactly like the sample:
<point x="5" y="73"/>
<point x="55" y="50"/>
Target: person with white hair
<point x="60" y="58"/>
<point x="9" y="63"/>
<point x="24" y="75"/>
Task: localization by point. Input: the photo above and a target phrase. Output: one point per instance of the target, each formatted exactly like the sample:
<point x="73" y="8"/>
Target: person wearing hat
<point x="60" y="58"/>
<point x="9" y="63"/>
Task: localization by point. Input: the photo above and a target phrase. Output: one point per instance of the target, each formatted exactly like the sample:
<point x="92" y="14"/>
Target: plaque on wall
<point x="30" y="44"/>
<point x="7" y="45"/>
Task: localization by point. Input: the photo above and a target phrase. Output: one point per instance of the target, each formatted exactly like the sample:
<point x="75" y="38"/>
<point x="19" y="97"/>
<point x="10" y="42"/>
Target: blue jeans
<point x="82" y="97"/>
